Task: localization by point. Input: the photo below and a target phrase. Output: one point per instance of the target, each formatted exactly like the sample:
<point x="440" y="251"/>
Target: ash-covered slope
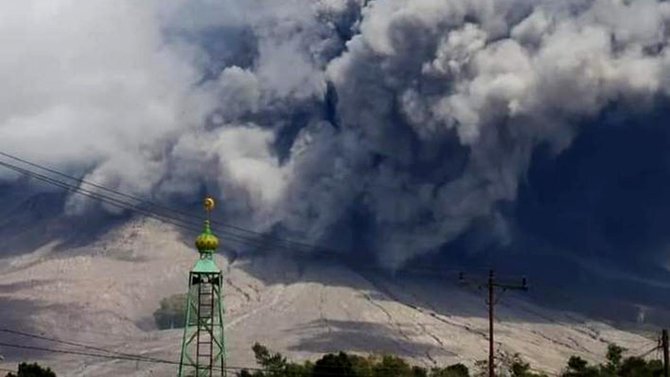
<point x="104" y="294"/>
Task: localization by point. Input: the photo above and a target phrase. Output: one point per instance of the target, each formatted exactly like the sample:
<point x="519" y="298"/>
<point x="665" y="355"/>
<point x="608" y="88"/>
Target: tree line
<point x="347" y="365"/>
<point x="342" y="364"/>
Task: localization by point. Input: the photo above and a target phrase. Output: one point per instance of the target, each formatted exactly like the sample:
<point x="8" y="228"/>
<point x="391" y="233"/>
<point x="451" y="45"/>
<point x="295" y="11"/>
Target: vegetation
<point x="346" y="365"/>
<point x="615" y="366"/>
<point x="32" y="370"/>
<point x="172" y="312"/>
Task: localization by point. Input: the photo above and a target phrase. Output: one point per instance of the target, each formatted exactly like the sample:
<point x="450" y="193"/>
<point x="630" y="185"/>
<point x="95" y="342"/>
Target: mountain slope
<point x="105" y="293"/>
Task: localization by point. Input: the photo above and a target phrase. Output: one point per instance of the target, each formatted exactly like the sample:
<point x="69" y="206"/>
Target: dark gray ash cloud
<point x="311" y="117"/>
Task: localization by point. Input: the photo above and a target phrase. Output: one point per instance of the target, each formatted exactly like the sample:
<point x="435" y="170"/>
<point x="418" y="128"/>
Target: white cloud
<point x="87" y="83"/>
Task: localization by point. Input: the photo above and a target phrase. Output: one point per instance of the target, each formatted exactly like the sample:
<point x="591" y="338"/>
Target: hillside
<point x="104" y="294"/>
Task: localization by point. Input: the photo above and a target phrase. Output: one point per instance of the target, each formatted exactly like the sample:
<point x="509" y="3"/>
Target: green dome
<point x="207" y="241"/>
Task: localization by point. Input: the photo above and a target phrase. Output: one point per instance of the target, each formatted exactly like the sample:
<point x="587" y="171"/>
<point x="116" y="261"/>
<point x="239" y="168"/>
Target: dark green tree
<point x="614" y="357"/>
<point x="362" y="365"/>
<point x="578" y="367"/>
<point x="519" y="368"/>
<point x="334" y="365"/>
<point x="172" y="312"/>
<point x="616" y="365"/>
<point x="419" y="372"/>
<point x="395" y="366"/>
<point x="275" y="365"/>
<point x="639" y="367"/>
<point x="456" y="370"/>
<point x="32" y="370"/>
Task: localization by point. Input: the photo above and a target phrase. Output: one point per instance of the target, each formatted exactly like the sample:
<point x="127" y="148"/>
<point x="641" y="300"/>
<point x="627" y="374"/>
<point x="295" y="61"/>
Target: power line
<point x="156" y="205"/>
<point x="69" y="343"/>
<point x="643" y="355"/>
<point x="110" y="357"/>
<point x="128" y="206"/>
<point x="101" y="187"/>
<point x="135" y="208"/>
<point x="139" y="358"/>
<point x="642" y="348"/>
<point x="109" y="200"/>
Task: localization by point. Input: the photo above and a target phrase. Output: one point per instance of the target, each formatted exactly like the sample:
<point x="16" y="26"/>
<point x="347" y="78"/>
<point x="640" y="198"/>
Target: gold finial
<point x="209" y="205"/>
<point x="207" y="241"/>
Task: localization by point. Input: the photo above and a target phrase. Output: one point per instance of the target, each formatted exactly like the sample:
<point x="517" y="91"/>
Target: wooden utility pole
<point x="492" y="284"/>
<point x="666" y="354"/>
<point x="491" y="303"/>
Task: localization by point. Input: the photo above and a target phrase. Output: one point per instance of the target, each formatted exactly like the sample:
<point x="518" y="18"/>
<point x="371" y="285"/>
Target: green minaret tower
<point x="203" y="351"/>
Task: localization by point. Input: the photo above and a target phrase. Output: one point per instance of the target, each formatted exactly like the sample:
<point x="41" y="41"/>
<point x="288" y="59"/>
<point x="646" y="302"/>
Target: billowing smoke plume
<point x="306" y="116"/>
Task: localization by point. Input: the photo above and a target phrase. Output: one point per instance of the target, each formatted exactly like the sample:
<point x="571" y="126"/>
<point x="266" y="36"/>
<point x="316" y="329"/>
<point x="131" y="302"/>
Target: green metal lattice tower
<point x="203" y="350"/>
